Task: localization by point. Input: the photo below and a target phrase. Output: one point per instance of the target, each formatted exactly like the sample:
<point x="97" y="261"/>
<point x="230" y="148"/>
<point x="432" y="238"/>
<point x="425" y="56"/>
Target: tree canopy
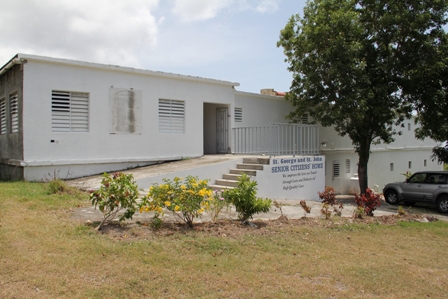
<point x="356" y="65"/>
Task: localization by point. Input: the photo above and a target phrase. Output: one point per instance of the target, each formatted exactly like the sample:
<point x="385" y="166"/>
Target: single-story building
<point x="70" y="119"/>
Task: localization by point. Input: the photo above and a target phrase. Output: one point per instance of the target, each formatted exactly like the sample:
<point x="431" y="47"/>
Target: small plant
<point x="156" y="222"/>
<point x="369" y="201"/>
<point x="217" y="204"/>
<point x="401" y="211"/>
<point x="278" y="206"/>
<point x="187" y="200"/>
<point x="305" y="207"/>
<point x="326" y="210"/>
<point x="244" y="199"/>
<point x="407" y="174"/>
<point x="117" y="192"/>
<point x="359" y="212"/>
<point x="328" y="197"/>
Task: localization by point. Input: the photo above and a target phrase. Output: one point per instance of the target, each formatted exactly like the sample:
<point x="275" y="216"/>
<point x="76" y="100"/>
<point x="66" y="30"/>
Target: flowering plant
<point x="187" y="200"/>
<point x="217" y="203"/>
<point x="117" y="192"/>
<point x="407" y="174"/>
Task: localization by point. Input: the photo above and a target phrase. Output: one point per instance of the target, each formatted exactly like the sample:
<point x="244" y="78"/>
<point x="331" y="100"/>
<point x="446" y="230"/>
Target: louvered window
<point x="14" y="112"/>
<point x="238" y="115"/>
<point x="69" y="111"/>
<point x="2" y="116"/>
<point x="347" y="165"/>
<point x="304" y="118"/>
<point x="336" y="168"/>
<point x="171" y="116"/>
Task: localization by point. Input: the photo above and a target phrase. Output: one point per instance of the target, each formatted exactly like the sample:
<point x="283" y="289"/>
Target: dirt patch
<point x="228" y="228"/>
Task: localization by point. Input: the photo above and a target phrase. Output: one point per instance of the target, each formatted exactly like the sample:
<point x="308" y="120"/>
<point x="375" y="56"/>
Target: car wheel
<point x="442" y="204"/>
<point x="391" y="197"/>
<point x="409" y="203"/>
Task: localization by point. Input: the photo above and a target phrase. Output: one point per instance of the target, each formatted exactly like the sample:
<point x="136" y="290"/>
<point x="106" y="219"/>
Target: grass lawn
<point x="46" y="253"/>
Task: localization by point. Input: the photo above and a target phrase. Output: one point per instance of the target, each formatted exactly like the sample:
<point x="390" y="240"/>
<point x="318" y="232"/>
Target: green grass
<point x="46" y="253"/>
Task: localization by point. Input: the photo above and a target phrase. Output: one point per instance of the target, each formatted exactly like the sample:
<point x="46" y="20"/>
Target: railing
<point x="276" y="140"/>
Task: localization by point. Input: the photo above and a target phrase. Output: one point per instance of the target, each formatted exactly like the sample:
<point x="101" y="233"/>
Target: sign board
<point x="292" y="177"/>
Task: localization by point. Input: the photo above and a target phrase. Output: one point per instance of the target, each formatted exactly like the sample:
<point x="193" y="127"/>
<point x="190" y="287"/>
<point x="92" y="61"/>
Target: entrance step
<point x="250" y="166"/>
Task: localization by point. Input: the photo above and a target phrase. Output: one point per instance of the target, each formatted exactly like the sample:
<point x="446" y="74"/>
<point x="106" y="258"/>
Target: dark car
<point x="426" y="186"/>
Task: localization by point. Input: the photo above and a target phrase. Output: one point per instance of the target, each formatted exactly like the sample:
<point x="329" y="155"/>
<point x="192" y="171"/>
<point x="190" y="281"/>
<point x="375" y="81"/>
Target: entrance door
<point x="222" y="131"/>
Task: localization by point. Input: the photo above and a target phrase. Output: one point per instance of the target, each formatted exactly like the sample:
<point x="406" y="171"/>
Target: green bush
<point x="117" y="192"/>
<point x="187" y="200"/>
<point x="244" y="199"/>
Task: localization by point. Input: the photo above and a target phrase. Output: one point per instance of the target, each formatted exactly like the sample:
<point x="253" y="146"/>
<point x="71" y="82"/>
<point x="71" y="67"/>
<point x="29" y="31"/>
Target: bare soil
<point x="136" y="231"/>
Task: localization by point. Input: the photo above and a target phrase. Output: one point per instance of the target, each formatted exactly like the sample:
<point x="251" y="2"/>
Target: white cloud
<point x="199" y="10"/>
<point x="196" y="10"/>
<point x="268" y="6"/>
<point x="101" y="31"/>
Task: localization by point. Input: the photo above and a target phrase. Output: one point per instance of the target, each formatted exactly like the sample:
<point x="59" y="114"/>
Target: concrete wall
<point x="98" y="146"/>
<point x="379" y="168"/>
<point x="11" y="144"/>
<point x="260" y="110"/>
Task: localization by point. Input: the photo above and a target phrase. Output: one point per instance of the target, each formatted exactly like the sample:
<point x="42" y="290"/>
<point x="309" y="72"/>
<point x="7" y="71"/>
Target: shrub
<point x="217" y="204"/>
<point x="117" y="192"/>
<point x="328" y="197"/>
<point x="369" y="201"/>
<point x="359" y="212"/>
<point x="187" y="200"/>
<point x="244" y="199"/>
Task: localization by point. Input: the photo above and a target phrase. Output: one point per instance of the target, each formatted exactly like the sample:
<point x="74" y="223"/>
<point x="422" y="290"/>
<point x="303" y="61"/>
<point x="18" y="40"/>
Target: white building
<point x="72" y="119"/>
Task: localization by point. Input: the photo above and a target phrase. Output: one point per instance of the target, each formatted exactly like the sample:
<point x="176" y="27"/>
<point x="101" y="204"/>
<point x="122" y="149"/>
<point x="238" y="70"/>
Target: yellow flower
<point x="176" y="208"/>
<point x="183" y="187"/>
<point x="200" y="211"/>
<point x="167" y="203"/>
<point x="159" y="209"/>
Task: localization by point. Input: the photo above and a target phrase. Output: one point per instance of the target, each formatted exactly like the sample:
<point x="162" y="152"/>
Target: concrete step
<point x="224" y="182"/>
<point x="249" y="166"/>
<point x="246" y="171"/>
<point x="232" y="176"/>
<point x="220" y="187"/>
<point x="257" y="160"/>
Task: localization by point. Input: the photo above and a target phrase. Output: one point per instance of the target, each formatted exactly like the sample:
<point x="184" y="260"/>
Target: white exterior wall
<point x="406" y="148"/>
<point x="98" y="147"/>
<point x="260" y="110"/>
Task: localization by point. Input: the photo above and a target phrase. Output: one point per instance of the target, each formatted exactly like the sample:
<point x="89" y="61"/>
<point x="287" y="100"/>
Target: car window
<point x="417" y="178"/>
<point x="442" y="179"/>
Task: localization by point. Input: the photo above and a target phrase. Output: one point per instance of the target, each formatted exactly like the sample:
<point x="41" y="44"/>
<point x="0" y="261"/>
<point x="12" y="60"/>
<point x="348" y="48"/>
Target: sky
<point x="232" y="40"/>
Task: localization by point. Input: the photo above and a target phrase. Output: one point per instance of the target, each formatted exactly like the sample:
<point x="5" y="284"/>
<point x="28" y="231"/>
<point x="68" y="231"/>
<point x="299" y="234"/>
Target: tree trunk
<point x="364" y="155"/>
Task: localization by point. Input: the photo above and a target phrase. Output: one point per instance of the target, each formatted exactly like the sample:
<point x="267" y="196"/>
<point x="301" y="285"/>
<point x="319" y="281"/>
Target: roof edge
<point x="110" y="67"/>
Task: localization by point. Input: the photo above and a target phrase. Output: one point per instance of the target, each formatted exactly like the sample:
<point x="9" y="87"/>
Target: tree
<point x="354" y="63"/>
<point x="432" y="107"/>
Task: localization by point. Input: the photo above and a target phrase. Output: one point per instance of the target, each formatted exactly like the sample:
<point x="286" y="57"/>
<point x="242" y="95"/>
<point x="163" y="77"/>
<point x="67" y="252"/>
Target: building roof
<point x="22" y="58"/>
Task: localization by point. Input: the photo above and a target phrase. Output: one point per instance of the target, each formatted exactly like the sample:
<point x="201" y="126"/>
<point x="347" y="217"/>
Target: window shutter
<point x="171" y="116"/>
<point x="14" y="111"/>
<point x="2" y="117"/>
<point x="70" y="112"/>
<point x="336" y="168"/>
<point x="238" y="113"/>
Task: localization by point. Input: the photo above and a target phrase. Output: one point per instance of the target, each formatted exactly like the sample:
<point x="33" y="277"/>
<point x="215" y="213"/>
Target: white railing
<point x="276" y="140"/>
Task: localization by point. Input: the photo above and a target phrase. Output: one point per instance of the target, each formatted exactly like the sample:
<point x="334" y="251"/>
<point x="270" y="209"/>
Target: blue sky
<point x="232" y="40"/>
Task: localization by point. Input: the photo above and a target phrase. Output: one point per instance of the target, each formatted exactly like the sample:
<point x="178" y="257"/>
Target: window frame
<point x="70" y="111"/>
<point x="171" y="116"/>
